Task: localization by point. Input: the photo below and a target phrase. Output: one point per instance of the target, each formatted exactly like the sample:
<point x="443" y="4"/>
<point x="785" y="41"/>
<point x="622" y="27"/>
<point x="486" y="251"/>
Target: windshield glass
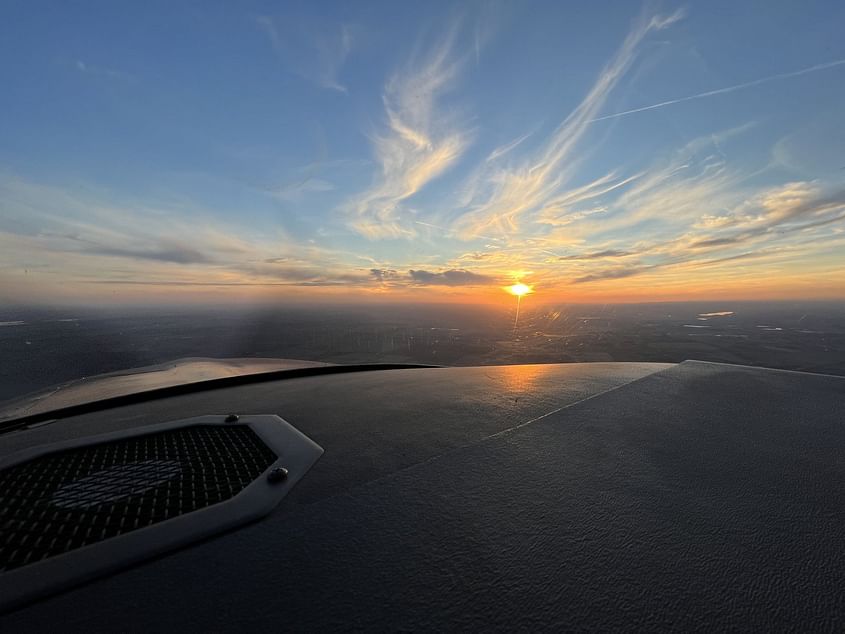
<point x="437" y="183"/>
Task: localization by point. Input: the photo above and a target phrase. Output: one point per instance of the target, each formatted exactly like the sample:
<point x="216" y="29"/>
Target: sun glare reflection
<point x="520" y="380"/>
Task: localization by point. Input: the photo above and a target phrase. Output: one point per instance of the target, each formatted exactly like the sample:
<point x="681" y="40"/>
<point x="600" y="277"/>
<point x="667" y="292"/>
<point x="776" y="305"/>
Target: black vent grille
<point x="63" y="501"/>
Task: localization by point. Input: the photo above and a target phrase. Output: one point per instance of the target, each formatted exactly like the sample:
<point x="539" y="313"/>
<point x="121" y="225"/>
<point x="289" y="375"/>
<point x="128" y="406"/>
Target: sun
<point x="519" y="289"/>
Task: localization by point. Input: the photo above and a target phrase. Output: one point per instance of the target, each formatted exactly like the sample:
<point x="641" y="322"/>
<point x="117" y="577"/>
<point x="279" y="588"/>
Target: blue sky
<point x="602" y="150"/>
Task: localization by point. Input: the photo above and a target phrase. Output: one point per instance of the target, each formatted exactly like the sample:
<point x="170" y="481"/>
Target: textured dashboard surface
<point x="372" y="423"/>
<point x="701" y="496"/>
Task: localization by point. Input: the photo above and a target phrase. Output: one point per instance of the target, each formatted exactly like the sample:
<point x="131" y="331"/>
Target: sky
<point x="427" y="151"/>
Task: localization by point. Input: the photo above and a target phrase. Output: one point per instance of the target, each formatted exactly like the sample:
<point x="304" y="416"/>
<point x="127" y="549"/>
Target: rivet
<point x="279" y="474"/>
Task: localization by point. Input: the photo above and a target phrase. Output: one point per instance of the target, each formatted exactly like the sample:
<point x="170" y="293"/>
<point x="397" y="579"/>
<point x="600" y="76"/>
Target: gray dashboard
<point x="558" y="497"/>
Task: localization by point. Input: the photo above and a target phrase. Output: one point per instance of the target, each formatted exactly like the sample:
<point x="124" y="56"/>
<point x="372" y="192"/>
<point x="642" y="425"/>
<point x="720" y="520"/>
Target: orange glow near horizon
<point x="823" y="280"/>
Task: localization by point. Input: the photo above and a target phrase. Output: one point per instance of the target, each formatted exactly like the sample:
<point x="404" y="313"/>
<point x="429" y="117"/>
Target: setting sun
<point x="519" y="289"/>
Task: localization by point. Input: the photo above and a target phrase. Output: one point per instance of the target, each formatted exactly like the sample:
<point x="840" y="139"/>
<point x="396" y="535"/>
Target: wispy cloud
<point x="159" y="249"/>
<point x="725" y="90"/>
<point x="507" y="147"/>
<point x="597" y="255"/>
<point x="787" y="209"/>
<point x="418" y="143"/>
<point x="451" y="277"/>
<point x="690" y="213"/>
<point x="765" y="227"/>
<point x="611" y="274"/>
<point x="693" y="185"/>
<point x="83" y="235"/>
<point x="316" y="54"/>
<point x="565" y="207"/>
<point x="504" y="196"/>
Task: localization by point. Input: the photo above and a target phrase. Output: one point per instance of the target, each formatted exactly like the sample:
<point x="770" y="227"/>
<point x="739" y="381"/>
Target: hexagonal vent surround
<point x="74" y="510"/>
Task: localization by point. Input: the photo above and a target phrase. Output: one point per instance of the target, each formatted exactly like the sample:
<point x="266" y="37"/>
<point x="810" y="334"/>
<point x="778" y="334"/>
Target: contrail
<point x="721" y="91"/>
